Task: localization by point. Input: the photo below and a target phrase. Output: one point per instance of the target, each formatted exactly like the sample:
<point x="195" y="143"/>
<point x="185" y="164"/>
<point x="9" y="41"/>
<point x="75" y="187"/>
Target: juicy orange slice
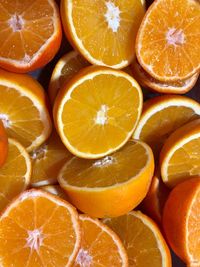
<point x="105" y="187"/>
<point x="15" y="174"/>
<point x="103" y="31"/>
<point x="23" y="109"/>
<point x="39" y="229"/>
<point x="97" y="111"/>
<point x="30" y="33"/>
<point x="142" y="239"/>
<point x="3" y="144"/>
<point x="180" y="156"/>
<point x="100" y="246"/>
<point x="167" y="40"/>
<point x="55" y="190"/>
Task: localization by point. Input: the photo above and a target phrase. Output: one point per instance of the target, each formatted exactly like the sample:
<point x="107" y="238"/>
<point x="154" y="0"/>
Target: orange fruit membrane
<point x="30" y="32"/>
<point x="3" y="144"/>
<point x="55" y="190"/>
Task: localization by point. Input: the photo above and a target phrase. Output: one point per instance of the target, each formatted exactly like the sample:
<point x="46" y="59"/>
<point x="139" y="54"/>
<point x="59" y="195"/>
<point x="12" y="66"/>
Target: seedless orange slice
<point x="103" y="31"/>
<point x="97" y="111"/>
<point x="39" y="229"/>
<point x="55" y="190"/>
<point x="23" y="109"/>
<point x="3" y="144"/>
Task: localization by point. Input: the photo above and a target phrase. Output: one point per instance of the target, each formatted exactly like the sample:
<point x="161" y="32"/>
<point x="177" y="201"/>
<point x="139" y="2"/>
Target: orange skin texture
<point x="3" y="144"/>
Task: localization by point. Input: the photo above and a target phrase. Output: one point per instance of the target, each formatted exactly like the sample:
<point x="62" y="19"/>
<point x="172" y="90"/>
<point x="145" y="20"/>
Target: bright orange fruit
<point x="3" y="144"/>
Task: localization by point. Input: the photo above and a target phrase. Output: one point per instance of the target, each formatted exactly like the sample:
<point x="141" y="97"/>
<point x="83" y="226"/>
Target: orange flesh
<point x="3" y="144"/>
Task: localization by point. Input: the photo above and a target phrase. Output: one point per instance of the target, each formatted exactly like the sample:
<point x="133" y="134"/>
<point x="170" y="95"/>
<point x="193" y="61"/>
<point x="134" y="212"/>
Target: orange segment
<point x="3" y="144"/>
<point x="30" y="33"/>
<point x="23" y="109"/>
<point x="97" y="111"/>
<point x="38" y="229"/>
<point x="100" y="246"/>
<point x="55" y="190"/>
<point x="103" y="31"/>
<point x="167" y="44"/>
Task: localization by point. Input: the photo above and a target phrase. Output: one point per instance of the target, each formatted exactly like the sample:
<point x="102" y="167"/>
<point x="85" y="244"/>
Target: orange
<point x="104" y="32"/>
<point x="180" y="156"/>
<point x="3" y="144"/>
<point x="142" y="239"/>
<point x="23" y="109"/>
<point x="55" y="190"/>
<point x="110" y="186"/>
<point x="30" y="33"/>
<point x="181" y="221"/>
<point x="166" y="45"/>
<point x="161" y="116"/>
<point x="100" y="246"/>
<point x="66" y="67"/>
<point x="97" y="111"/>
<point x="39" y="229"/>
<point x="47" y="161"/>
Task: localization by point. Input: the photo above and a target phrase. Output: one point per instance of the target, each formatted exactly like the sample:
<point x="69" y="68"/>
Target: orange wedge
<point x="181" y="221"/>
<point x="104" y="32"/>
<point x="166" y="45"/>
<point x="110" y="186"/>
<point x="97" y="111"/>
<point x="180" y="156"/>
<point x="142" y="239"/>
<point x="3" y="144"/>
<point x="39" y="229"/>
<point x="15" y="174"/>
<point x="23" y="109"/>
<point x="55" y="190"/>
<point x="30" y="33"/>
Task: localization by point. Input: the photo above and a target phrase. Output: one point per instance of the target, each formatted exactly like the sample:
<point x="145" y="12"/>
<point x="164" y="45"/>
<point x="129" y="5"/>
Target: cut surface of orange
<point x="66" y="67"/>
<point x="103" y="31"/>
<point x="39" y="229"/>
<point x="161" y="116"/>
<point x="30" y="33"/>
<point x="3" y="144"/>
<point x="142" y="239"/>
<point x="166" y="45"/>
<point x="104" y="187"/>
<point x="55" y="190"/>
<point x="15" y="174"/>
<point x="180" y="156"/>
<point x="100" y="246"/>
<point x="47" y="161"/>
<point x="97" y="111"/>
<point x="181" y="221"/>
<point x="23" y="109"/>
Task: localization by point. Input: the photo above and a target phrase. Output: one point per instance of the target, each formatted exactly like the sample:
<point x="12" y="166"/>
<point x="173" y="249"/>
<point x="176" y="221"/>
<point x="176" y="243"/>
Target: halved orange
<point x="110" y="186"/>
<point x="39" y="229"/>
<point x="104" y="32"/>
<point x="30" y="32"/>
<point x="55" y="190"/>
<point x="167" y="42"/>
<point x="23" y="109"/>
<point x="3" y="144"/>
<point x="100" y="246"/>
<point x="97" y="111"/>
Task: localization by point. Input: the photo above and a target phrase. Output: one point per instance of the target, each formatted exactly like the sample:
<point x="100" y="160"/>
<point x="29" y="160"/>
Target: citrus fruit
<point x="39" y="229"/>
<point x="15" y="174"/>
<point x="110" y="186"/>
<point x="47" y="161"/>
<point x="3" y="144"/>
<point x="181" y="221"/>
<point x="142" y="239"/>
<point x="166" y="45"/>
<point x="97" y="111"/>
<point x="23" y="109"/>
<point x="104" y="32"/>
<point x="161" y="116"/>
<point x="180" y="156"/>
<point x="65" y="68"/>
<point x="55" y="190"/>
<point x="30" y="33"/>
<point x="100" y="246"/>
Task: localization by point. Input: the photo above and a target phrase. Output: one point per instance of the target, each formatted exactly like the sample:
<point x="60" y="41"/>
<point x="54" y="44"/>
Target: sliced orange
<point x="23" y="109"/>
<point x="104" y="32"/>
<point x="3" y="144"/>
<point x="47" y="161"/>
<point x="167" y="44"/>
<point x="15" y="174"/>
<point x="97" y="111"/>
<point x="142" y="239"/>
<point x="39" y="229"/>
<point x="110" y="186"/>
<point x="161" y="116"/>
<point x="180" y="156"/>
<point x="181" y="221"/>
<point x="30" y="33"/>
<point x="55" y="190"/>
<point x="66" y="67"/>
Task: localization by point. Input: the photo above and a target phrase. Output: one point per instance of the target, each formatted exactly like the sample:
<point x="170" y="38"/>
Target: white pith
<point x="101" y="117"/>
<point x="112" y="16"/>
